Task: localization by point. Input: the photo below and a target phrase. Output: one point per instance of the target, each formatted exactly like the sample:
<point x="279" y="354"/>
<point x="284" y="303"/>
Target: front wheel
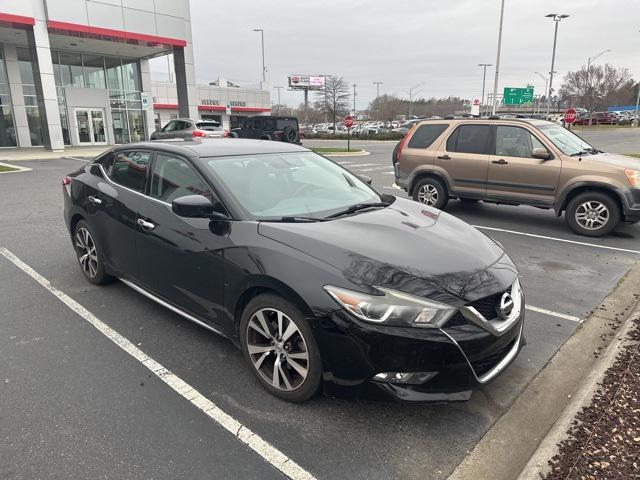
<point x="592" y="214"/>
<point x="431" y="192"/>
<point x="282" y="353"/>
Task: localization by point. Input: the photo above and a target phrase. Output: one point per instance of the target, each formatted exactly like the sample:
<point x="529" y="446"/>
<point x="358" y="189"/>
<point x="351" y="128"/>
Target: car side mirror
<point x="197" y="206"/>
<point x="540" y="153"/>
<point x="365" y="179"/>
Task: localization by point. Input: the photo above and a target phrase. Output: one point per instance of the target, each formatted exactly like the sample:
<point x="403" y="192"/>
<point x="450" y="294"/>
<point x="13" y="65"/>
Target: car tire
<point x="289" y="134"/>
<point x="298" y="378"/>
<point x="89" y="254"/>
<point x="431" y="192"/>
<point x="592" y="214"/>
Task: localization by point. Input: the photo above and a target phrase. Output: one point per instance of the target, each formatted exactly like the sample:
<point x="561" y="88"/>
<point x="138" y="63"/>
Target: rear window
<point x="208" y="126"/>
<point x="425" y="135"/>
<point x="470" y="139"/>
<point x="286" y="122"/>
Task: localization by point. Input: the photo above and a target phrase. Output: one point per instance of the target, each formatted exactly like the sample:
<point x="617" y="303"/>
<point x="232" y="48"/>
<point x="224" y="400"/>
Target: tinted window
<point x="269" y="124"/>
<point x="169" y="127"/>
<point x="210" y="126"/>
<point x="129" y="169"/>
<point x="470" y="139"/>
<point x="106" y="160"/>
<point x="287" y="122"/>
<point x="515" y="142"/>
<point x="425" y="135"/>
<point x="173" y="178"/>
<point x="257" y="123"/>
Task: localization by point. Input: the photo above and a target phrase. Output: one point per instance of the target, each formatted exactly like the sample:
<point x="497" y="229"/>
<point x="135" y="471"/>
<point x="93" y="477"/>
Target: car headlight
<point x="633" y="176"/>
<point x="392" y="307"/>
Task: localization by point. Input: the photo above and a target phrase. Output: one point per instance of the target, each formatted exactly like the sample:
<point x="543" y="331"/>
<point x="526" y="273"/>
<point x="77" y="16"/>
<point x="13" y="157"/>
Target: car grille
<point x="483" y="365"/>
<point x="487" y="306"/>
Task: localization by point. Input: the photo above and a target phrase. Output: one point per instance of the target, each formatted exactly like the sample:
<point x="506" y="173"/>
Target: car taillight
<point x="198" y="133"/>
<point x="66" y="181"/>
<point x="225" y="134"/>
<point x="401" y="146"/>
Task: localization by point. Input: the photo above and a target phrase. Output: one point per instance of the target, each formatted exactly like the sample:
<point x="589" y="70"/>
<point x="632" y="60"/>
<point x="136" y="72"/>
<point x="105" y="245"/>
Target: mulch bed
<point x="604" y="439"/>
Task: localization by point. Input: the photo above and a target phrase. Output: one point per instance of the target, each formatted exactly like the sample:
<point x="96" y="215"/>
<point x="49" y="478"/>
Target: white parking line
<point x="358" y="165"/>
<point x="78" y="159"/>
<point x="256" y="443"/>
<point x="375" y="168"/>
<point x="558" y="239"/>
<point x="347" y="163"/>
<point x="554" y="314"/>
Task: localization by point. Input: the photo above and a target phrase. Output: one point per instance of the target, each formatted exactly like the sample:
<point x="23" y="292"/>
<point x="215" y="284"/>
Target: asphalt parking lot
<point x="75" y="405"/>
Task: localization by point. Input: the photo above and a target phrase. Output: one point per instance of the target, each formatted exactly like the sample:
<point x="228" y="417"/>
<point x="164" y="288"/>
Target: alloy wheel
<point x="428" y="194"/>
<point x="592" y="215"/>
<point x="277" y="349"/>
<point x="86" y="251"/>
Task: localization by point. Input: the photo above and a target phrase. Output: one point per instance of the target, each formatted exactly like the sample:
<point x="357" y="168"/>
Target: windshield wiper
<point x="357" y="207"/>
<point x="293" y="219"/>
<point x="580" y="153"/>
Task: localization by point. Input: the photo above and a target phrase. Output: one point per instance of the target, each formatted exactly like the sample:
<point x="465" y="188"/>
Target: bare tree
<point x="333" y="101"/>
<point x="594" y="88"/>
<point x="387" y="107"/>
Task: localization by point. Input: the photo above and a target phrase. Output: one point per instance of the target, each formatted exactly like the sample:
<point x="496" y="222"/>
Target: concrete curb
<point x="538" y="464"/>
<point x="508" y="446"/>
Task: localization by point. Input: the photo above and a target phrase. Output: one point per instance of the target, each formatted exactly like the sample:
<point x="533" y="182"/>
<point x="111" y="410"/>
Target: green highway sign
<point x="517" y="96"/>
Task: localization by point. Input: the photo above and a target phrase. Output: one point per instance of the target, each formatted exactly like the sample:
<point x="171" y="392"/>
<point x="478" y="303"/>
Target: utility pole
<point x="495" y="80"/>
<point x="484" y="77"/>
<point x="264" y="69"/>
<point x="589" y="80"/>
<point x="377" y="84"/>
<point x="278" y="89"/>
<point x="411" y="93"/>
<point x="556" y="18"/>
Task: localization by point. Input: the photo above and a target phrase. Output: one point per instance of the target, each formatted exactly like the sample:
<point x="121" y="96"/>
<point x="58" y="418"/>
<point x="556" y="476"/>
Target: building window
<point x="7" y="129"/>
<point x="34" y="115"/>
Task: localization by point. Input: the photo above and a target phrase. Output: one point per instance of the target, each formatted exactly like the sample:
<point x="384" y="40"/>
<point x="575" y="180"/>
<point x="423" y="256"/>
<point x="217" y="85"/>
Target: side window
<point x="257" y="124"/>
<point x="129" y="169"/>
<point x="173" y="178"/>
<point x="425" y="135"/>
<point x="269" y="124"/>
<point x="248" y="124"/>
<point x="515" y="142"/>
<point x="169" y="127"/>
<point x="470" y="139"/>
<point x="106" y="160"/>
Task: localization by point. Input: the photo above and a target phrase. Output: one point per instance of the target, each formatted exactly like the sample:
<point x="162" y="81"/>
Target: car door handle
<point x="502" y="161"/>
<point x="444" y="157"/>
<point x="94" y="200"/>
<point x="148" y="226"/>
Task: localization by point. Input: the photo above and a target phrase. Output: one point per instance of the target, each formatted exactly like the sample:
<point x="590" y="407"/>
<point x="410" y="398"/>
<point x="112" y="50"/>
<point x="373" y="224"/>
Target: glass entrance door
<point x="90" y="126"/>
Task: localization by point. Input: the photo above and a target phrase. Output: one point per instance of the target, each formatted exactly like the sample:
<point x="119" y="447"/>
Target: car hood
<point x="406" y="246"/>
<point x="615" y="159"/>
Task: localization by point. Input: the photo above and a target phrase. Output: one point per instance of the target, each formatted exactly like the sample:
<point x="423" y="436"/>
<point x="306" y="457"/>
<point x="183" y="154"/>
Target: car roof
<point x="532" y="121"/>
<point x="216" y="147"/>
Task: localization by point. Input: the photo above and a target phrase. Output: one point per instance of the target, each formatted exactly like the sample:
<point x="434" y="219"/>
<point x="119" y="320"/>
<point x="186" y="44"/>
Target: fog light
<point x="408" y="378"/>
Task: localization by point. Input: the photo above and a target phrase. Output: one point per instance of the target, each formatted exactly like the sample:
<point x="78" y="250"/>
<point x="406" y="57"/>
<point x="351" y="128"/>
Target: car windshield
<point x="276" y="185"/>
<point x="568" y="142"/>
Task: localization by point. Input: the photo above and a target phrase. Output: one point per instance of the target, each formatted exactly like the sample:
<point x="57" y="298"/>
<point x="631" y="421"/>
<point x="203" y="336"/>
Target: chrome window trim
<point x="158" y="300"/>
<point x="108" y="179"/>
<point x="495" y="326"/>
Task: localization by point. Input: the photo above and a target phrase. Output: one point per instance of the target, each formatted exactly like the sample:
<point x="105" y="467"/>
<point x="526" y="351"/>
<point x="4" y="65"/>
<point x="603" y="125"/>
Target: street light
<point x="546" y="82"/>
<point x="556" y="18"/>
<point x="484" y="76"/>
<point x="589" y="79"/>
<point x="411" y="92"/>
<point x="377" y="84"/>
<point x="278" y="89"/>
<point x="264" y="69"/>
<point x="495" y="80"/>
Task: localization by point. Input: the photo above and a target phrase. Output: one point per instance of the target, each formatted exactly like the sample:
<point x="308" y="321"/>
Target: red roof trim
<point x="210" y="108"/>
<point x="10" y="18"/>
<point x="116" y="34"/>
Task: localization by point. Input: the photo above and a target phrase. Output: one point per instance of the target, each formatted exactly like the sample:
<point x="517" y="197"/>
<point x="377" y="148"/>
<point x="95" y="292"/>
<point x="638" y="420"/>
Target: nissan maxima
<point x="324" y="283"/>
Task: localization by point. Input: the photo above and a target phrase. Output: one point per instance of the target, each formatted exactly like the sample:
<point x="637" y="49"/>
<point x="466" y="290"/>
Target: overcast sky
<point x="407" y="42"/>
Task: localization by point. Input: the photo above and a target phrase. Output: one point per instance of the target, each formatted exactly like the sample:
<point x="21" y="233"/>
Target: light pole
<point x="556" y="18"/>
<point x="411" y="92"/>
<point x="546" y="82"/>
<point x="354" y="101"/>
<point x="264" y="69"/>
<point x="484" y="77"/>
<point x="589" y="79"/>
<point x="495" y="80"/>
<point x="278" y="89"/>
<point x="377" y="84"/>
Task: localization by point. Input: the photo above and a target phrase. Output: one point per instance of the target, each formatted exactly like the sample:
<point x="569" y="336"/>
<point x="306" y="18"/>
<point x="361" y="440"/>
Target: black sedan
<point x="323" y="282"/>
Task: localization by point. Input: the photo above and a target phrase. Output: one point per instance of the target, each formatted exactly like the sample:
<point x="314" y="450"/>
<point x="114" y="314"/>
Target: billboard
<point x="308" y="82"/>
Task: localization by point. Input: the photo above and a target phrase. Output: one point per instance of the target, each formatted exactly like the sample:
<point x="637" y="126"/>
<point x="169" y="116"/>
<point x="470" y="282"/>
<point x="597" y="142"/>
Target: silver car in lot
<point x="187" y="129"/>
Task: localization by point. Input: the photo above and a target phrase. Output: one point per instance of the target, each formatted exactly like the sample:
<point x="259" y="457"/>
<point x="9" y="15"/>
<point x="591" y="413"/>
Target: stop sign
<point x="348" y="121"/>
<point x="570" y="115"/>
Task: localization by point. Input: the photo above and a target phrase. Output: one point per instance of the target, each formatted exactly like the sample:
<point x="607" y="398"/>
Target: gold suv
<point x="519" y="161"/>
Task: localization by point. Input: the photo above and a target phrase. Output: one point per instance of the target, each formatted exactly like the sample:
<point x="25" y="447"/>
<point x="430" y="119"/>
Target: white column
<point x="45" y="80"/>
<point x="145" y="78"/>
<point x="17" y="99"/>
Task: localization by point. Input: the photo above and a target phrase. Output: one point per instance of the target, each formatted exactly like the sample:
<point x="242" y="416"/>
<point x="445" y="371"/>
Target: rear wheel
<point x="431" y="192"/>
<point x="89" y="254"/>
<point x="278" y="344"/>
<point x="592" y="214"/>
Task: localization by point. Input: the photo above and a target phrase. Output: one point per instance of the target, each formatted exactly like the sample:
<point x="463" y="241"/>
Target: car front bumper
<point x="631" y="203"/>
<point x="454" y="360"/>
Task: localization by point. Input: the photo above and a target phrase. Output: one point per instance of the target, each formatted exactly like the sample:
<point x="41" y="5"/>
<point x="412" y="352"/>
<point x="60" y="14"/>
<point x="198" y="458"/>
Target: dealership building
<point x="76" y="72"/>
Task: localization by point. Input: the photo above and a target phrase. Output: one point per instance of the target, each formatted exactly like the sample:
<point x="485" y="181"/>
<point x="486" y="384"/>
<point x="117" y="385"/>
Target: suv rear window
<point x="470" y="139"/>
<point x="425" y="135"/>
<point x="287" y="122"/>
<point x="209" y="126"/>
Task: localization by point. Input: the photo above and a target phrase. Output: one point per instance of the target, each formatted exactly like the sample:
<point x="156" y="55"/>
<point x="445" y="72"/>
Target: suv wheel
<point x="278" y="344"/>
<point x="592" y="214"/>
<point x="431" y="192"/>
<point x="289" y="134"/>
